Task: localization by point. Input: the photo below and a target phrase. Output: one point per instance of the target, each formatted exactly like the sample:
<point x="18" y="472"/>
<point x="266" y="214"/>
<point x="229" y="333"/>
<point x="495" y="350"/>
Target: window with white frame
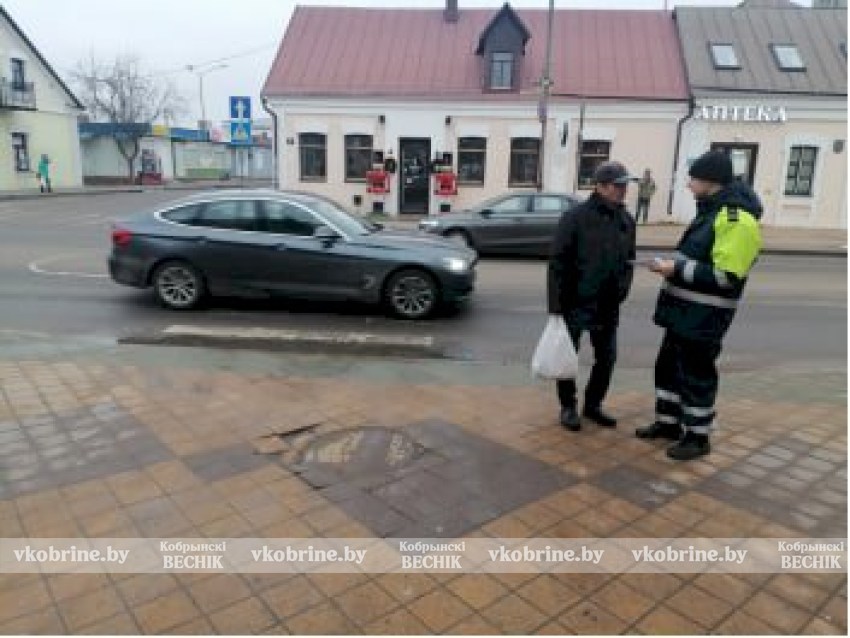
<point x="788" y="57"/>
<point x="358" y="157"/>
<point x="313" y="154"/>
<point x="20" y="152"/>
<point x="18" y="74"/>
<point x="525" y="161"/>
<point x="593" y="153"/>
<point x="724" y="56"/>
<point x="471" y="159"/>
<point x="801" y="171"/>
<point x="502" y="70"/>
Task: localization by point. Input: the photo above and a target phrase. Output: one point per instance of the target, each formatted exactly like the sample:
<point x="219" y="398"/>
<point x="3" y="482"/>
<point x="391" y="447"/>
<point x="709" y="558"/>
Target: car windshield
<point x="343" y="220"/>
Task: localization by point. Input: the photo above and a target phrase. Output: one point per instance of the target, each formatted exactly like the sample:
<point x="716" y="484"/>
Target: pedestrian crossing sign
<point x="240" y="133"/>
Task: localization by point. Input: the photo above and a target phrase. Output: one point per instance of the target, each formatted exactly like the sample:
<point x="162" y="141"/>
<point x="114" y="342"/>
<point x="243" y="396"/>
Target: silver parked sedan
<point x="520" y="223"/>
<point x="266" y="243"/>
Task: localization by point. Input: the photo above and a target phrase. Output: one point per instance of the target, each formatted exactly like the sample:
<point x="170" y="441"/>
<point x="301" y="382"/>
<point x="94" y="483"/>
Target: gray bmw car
<point x="519" y="223"/>
<point x="268" y="243"/>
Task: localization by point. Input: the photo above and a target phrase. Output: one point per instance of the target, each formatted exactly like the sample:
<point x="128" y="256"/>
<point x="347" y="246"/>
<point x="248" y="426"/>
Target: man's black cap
<point x="612" y="173"/>
<point x="714" y="166"/>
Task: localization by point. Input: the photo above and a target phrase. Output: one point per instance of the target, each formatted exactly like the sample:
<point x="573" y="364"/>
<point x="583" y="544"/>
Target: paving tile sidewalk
<point x="127" y="442"/>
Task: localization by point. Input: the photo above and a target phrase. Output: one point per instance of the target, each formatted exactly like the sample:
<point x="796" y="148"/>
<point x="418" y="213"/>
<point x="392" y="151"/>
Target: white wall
<point x="809" y="123"/>
<point x="627" y="126"/>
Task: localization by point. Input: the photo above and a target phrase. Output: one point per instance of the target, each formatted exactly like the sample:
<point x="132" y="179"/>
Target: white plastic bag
<point x="555" y="356"/>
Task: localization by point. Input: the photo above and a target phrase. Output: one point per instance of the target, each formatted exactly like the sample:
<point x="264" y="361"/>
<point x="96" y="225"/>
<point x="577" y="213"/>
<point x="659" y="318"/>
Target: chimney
<point x="451" y="13"/>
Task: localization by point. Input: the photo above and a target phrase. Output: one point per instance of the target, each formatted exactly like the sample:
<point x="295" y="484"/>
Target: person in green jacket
<point x="646" y="189"/>
<point x="44" y="174"/>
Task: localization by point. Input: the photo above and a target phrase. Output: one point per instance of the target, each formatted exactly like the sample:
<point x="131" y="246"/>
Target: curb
<point x="787" y="252"/>
<point x="297" y="341"/>
<point x="128" y="189"/>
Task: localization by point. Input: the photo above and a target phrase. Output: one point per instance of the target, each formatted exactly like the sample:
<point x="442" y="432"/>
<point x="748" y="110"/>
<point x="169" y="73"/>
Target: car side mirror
<point x="328" y="236"/>
<point x="486" y="212"/>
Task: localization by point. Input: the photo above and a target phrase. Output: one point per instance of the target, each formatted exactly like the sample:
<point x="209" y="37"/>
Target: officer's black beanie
<point x="714" y="166"/>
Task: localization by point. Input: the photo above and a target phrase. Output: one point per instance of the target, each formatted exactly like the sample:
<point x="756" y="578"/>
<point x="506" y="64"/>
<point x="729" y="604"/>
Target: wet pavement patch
<point x="426" y="479"/>
<point x="48" y="451"/>
<point x="637" y="486"/>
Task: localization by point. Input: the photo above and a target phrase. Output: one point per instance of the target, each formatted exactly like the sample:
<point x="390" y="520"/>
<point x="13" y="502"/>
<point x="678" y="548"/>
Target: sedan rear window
<point x="234" y="214"/>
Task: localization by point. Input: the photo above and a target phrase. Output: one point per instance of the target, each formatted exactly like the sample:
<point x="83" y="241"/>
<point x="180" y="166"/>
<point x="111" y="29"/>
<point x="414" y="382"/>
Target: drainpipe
<point x="275" y="145"/>
<point x="676" y="148"/>
<point x="579" y="138"/>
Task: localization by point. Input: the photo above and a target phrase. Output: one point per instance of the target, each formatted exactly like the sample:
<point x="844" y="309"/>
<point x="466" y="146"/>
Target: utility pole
<point x="201" y="73"/>
<point x="545" y="90"/>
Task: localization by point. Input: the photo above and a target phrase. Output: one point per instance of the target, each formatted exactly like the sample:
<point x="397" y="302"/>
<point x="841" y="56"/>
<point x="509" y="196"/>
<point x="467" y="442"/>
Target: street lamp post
<point x="201" y="72"/>
<point x="545" y="89"/>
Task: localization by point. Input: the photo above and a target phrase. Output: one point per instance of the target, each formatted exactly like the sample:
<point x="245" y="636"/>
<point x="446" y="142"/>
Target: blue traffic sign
<point x="240" y="108"/>
<point x="240" y="133"/>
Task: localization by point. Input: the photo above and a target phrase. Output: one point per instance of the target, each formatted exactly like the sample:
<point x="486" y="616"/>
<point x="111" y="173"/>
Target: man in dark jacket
<point x="590" y="274"/>
<point x="698" y="300"/>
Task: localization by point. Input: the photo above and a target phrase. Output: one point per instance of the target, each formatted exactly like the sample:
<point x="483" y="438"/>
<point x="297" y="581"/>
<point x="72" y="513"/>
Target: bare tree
<point x="120" y="92"/>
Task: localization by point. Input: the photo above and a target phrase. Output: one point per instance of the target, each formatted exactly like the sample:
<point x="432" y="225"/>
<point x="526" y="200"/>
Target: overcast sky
<point x="170" y="34"/>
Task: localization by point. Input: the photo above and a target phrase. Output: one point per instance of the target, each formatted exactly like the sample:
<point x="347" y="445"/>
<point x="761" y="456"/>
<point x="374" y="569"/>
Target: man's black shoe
<point x="691" y="446"/>
<point x="570" y="419"/>
<point x="658" y="430"/>
<point x="599" y="417"/>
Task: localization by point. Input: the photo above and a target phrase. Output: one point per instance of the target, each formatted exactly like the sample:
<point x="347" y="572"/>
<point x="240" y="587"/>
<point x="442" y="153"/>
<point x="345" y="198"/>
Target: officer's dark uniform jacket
<point x="714" y="257"/>
<point x="589" y="270"/>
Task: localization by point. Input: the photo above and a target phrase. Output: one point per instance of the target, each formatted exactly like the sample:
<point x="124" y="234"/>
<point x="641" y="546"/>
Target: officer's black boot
<point x="599" y="416"/>
<point x="570" y="419"/>
<point x="658" y="430"/>
<point x="691" y="446"/>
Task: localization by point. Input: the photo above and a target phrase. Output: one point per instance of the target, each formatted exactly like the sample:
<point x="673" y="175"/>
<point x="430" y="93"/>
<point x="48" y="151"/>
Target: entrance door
<point x="743" y="158"/>
<point x="414" y="188"/>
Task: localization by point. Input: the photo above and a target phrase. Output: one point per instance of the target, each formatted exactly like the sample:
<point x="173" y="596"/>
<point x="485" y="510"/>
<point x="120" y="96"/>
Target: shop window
<point x="724" y="56"/>
<point x="525" y="161"/>
<point x="313" y="154"/>
<point x="502" y="71"/>
<point x="471" y="159"/>
<point x="593" y="153"/>
<point x="358" y="157"/>
<point x="801" y="171"/>
<point x="20" y="150"/>
<point x="788" y="57"/>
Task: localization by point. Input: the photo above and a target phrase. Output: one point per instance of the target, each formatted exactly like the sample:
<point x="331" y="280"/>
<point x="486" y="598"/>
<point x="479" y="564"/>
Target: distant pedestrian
<point x="697" y="303"/>
<point x="646" y="189"/>
<point x="590" y="275"/>
<point x="44" y="174"/>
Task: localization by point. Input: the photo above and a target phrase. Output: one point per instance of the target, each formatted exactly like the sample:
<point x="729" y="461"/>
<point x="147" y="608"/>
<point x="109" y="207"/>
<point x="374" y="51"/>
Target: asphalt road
<point x="53" y="280"/>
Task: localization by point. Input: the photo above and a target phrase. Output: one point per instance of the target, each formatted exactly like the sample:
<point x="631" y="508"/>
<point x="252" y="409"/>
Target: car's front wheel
<point x="412" y="294"/>
<point x="178" y="285"/>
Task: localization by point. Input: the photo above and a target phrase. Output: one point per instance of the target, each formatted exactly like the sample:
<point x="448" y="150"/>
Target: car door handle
<point x="280" y="247"/>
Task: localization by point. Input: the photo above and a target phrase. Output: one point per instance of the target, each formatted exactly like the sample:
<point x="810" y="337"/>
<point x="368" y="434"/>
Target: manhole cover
<point x="361" y="449"/>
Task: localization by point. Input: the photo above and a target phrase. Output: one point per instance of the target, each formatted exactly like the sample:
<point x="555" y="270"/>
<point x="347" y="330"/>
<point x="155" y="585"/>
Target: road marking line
<point x="312" y="336"/>
<point x="37" y="268"/>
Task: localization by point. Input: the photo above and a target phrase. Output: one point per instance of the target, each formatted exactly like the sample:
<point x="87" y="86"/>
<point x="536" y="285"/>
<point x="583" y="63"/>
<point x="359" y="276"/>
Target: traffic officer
<point x="698" y="299"/>
<point x="590" y="274"/>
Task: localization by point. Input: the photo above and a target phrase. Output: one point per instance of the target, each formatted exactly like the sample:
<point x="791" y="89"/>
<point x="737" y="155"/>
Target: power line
<point x="235" y="56"/>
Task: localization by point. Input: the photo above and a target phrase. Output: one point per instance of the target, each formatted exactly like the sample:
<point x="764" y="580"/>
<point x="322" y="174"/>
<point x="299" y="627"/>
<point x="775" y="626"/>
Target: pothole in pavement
<point x="323" y="456"/>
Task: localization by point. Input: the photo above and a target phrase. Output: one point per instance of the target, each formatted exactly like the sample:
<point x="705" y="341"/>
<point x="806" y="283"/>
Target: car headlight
<point x="456" y="264"/>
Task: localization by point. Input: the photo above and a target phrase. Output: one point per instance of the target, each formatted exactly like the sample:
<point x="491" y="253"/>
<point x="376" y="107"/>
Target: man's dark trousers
<point x="604" y="342"/>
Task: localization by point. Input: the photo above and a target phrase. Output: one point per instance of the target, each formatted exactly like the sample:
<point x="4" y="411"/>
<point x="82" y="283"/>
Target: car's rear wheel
<point x="460" y="237"/>
<point x="412" y="294"/>
<point x="179" y="285"/>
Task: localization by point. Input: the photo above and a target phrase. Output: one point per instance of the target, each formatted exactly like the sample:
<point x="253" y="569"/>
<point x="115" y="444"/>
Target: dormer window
<point x="502" y="70"/>
<point x="501" y="47"/>
<point x="724" y="57"/>
<point x="788" y="57"/>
